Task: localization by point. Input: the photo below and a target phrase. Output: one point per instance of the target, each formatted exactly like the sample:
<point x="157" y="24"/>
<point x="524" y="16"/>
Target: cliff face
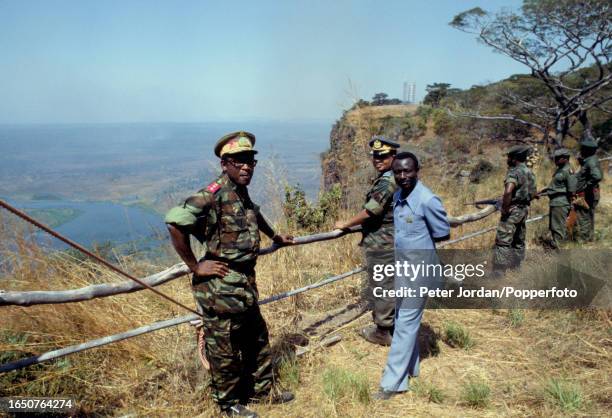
<point x="347" y="161"/>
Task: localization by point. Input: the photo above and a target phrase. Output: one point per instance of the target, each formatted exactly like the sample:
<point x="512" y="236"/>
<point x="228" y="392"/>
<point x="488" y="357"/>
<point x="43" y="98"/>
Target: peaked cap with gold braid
<point x="234" y="143"/>
<point x="382" y="146"/>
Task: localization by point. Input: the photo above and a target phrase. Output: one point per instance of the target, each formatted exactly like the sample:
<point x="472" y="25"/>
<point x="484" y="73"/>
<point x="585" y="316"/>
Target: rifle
<point x="496" y="201"/>
<point x="570" y="222"/>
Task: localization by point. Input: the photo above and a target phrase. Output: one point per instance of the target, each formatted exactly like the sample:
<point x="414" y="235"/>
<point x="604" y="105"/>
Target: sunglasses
<point x="241" y="162"/>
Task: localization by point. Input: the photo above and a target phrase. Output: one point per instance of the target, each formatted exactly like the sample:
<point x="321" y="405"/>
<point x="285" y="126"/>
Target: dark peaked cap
<point x="520" y="152"/>
<point x="381" y="146"/>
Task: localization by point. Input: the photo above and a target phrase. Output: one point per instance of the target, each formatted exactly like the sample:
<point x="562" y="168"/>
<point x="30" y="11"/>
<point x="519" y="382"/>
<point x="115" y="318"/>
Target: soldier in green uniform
<point x="587" y="196"/>
<point x="376" y="219"/>
<point x="224" y="218"/>
<point x="519" y="190"/>
<point x="560" y="191"/>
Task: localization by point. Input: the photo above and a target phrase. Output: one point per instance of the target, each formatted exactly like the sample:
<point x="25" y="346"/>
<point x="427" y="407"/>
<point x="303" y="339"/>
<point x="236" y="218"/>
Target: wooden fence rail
<point x="39" y="297"/>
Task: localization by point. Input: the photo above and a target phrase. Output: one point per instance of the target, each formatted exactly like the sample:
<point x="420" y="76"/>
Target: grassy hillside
<point x="514" y="362"/>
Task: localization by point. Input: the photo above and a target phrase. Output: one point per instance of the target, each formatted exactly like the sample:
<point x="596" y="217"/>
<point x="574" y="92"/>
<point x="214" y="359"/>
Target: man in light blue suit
<point x="420" y="221"/>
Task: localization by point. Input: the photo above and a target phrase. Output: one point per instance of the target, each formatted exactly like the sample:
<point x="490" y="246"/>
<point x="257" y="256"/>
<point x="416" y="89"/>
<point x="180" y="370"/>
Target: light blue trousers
<point x="403" y="358"/>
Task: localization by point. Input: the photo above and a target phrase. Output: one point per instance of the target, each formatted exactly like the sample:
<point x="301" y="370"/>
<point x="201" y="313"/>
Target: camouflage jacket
<point x="589" y="175"/>
<point x="224" y="218"/>
<point x="378" y="229"/>
<point x="525" y="182"/>
<point x="563" y="184"/>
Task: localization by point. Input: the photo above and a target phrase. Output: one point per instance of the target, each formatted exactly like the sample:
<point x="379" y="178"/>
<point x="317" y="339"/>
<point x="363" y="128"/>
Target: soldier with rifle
<point x="519" y="190"/>
<point x="560" y="191"/>
<point x="587" y="196"/>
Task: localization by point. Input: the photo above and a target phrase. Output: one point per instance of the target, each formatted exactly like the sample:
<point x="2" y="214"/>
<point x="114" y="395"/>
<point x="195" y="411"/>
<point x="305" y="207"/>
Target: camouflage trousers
<point x="585" y="219"/>
<point x="237" y="348"/>
<point x="383" y="308"/>
<point x="557" y="223"/>
<point x="509" y="248"/>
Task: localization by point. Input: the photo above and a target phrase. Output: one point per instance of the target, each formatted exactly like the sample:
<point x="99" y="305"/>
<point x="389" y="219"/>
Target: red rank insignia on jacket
<point x="213" y="187"/>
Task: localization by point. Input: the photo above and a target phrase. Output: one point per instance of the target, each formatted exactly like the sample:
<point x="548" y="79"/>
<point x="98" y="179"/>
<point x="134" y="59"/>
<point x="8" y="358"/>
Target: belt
<point x="245" y="267"/>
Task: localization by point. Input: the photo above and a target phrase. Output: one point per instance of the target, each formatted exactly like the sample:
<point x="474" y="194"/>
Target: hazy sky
<point x="191" y="61"/>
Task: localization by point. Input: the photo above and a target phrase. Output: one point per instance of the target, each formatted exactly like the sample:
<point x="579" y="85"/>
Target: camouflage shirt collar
<point x="224" y="180"/>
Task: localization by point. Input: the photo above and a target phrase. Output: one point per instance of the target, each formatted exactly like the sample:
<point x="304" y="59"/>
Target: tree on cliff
<point x="436" y="92"/>
<point x="381" y="99"/>
<point x="567" y="45"/>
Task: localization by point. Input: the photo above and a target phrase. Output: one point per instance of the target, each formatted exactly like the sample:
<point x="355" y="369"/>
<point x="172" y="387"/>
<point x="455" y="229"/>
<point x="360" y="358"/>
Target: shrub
<point x="564" y="394"/>
<point x="476" y="394"/>
<point x="429" y="391"/>
<point x="516" y="317"/>
<point x="339" y="383"/>
<point x="302" y="214"/>
<point x="457" y="336"/>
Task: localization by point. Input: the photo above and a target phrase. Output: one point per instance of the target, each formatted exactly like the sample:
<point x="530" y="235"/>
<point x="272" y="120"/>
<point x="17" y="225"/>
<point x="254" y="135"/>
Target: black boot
<point x="239" y="410"/>
<point x="276" y="398"/>
<point x="377" y="335"/>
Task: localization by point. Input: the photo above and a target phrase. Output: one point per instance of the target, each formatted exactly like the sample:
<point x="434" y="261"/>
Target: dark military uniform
<point x="223" y="217"/>
<point x="588" y="178"/>
<point x="378" y="244"/>
<point x="561" y="187"/>
<point x="509" y="247"/>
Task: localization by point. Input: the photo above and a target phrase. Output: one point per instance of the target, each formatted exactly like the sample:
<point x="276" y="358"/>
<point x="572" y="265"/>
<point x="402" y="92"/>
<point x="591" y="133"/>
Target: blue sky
<point x="192" y="61"/>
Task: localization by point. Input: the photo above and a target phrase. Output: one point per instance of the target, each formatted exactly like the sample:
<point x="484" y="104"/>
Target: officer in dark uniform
<point x="560" y="192"/>
<point x="588" y="178"/>
<point x="519" y="190"/>
<point x="376" y="218"/>
<point x="224" y="218"/>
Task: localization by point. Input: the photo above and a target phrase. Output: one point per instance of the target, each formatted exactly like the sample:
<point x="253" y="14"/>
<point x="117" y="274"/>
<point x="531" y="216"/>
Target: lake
<point x="102" y="177"/>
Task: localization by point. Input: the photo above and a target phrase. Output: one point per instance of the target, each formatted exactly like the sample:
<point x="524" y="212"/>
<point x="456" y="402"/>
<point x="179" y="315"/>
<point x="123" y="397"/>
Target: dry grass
<point x="158" y="374"/>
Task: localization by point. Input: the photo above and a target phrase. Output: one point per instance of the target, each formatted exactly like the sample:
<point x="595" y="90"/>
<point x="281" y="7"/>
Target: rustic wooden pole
<point x="50" y="355"/>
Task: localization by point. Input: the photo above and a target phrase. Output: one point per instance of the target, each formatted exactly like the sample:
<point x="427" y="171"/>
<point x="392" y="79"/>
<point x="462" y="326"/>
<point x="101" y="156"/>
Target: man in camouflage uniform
<point x="519" y="190"/>
<point x="376" y="219"/>
<point x="587" y="196"/>
<point x="224" y="218"/>
<point x="560" y="191"/>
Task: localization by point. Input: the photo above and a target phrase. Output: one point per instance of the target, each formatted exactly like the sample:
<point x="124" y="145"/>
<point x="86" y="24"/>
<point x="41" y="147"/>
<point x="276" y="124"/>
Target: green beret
<point x="588" y="144"/>
<point x="561" y="152"/>
<point x="381" y="146"/>
<point x="234" y="143"/>
<point x="520" y="152"/>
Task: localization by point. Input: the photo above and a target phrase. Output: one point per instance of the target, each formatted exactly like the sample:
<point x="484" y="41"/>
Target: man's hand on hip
<point x="209" y="268"/>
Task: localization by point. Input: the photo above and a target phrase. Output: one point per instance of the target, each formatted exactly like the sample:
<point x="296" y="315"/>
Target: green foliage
<point x="302" y="214"/>
<point x="457" y="336"/>
<point x="406" y="126"/>
<point x="436" y="92"/>
<point x="360" y="103"/>
<point x="423" y="112"/>
<point x="289" y="372"/>
<point x="564" y="394"/>
<point x="442" y="121"/>
<point x="428" y="391"/>
<point x="476" y="394"/>
<point x="381" y="99"/>
<point x="548" y="38"/>
<point x="339" y="383"/>
<point x="516" y="317"/>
